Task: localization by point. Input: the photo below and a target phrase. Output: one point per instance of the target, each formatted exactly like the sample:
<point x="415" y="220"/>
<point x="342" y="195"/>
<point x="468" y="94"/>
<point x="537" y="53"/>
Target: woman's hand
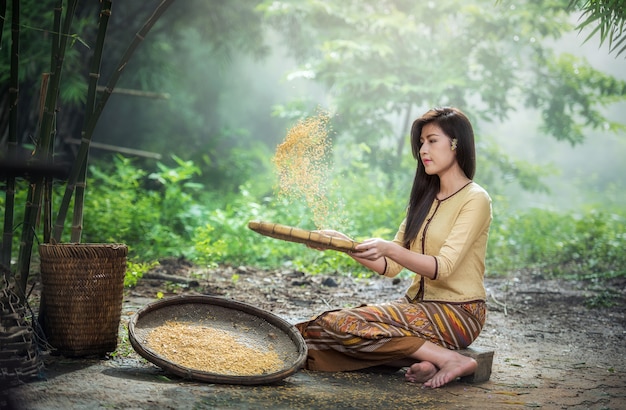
<point x="372" y="249"/>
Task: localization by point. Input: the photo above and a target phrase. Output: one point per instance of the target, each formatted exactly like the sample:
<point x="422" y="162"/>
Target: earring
<point x="453" y="144"/>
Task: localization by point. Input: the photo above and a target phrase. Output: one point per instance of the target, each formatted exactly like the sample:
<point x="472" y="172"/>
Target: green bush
<point x="224" y="237"/>
<point x="596" y="250"/>
<point x="584" y="246"/>
<point x="135" y="271"/>
<point x="154" y="214"/>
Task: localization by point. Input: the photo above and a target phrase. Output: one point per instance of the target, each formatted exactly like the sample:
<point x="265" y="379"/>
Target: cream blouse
<point x="455" y="233"/>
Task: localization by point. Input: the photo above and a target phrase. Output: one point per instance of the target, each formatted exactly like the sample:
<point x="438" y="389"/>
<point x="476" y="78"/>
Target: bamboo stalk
<point x="114" y="148"/>
<point x="3" y="15"/>
<point x="137" y="93"/>
<point x="47" y="116"/>
<point x="47" y="189"/>
<point x="7" y="232"/>
<point x="94" y="75"/>
<point x="91" y="124"/>
<point x="43" y="150"/>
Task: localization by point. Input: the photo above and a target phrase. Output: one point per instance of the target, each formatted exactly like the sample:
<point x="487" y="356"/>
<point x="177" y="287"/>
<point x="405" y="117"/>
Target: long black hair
<point x="455" y="125"/>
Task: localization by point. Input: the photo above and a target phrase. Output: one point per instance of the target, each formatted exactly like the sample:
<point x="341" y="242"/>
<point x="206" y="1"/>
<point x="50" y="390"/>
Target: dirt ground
<point x="551" y="351"/>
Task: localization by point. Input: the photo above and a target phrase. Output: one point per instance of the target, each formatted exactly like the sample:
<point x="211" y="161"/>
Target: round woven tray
<point x="311" y="238"/>
<point x="261" y="329"/>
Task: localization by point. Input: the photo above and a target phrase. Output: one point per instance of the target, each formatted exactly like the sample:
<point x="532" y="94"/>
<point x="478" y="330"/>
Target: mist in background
<point x="245" y="105"/>
<point x="586" y="175"/>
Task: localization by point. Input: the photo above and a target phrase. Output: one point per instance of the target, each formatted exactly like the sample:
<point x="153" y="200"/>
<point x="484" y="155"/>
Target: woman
<point x="443" y="240"/>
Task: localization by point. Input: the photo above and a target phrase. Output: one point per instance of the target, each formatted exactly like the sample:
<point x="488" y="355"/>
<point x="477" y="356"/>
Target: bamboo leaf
<point x="593" y="33"/>
<point x="76" y="37"/>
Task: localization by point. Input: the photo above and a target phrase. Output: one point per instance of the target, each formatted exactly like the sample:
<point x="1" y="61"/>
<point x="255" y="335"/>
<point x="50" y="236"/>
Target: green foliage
<point x="136" y="270"/>
<point x="596" y="248"/>
<point x="582" y="91"/>
<point x="526" y="239"/>
<point x="36" y="18"/>
<point x="497" y="167"/>
<point x="155" y="221"/>
<point x="381" y="63"/>
<point x="385" y="62"/>
<point x="165" y="214"/>
<point x="360" y="51"/>
<point x="604" y="297"/>
<point x="604" y="17"/>
<point x="218" y="103"/>
<point x="224" y="238"/>
<point x="124" y="348"/>
<point x="588" y="246"/>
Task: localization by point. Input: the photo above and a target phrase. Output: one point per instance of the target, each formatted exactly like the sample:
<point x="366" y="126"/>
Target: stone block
<point x="484" y="358"/>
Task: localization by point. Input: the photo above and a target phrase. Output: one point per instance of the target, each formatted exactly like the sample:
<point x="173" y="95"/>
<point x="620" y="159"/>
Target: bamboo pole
<point x="114" y="148"/>
<point x="137" y="93"/>
<point x="60" y="35"/>
<point x="94" y="75"/>
<point x="91" y="124"/>
<point x="3" y="15"/>
<point x="47" y="113"/>
<point x="7" y="232"/>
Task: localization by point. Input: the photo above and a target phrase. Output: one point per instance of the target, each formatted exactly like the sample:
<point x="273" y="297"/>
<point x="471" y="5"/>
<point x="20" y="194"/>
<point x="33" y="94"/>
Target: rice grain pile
<point x="302" y="163"/>
<point x="211" y="350"/>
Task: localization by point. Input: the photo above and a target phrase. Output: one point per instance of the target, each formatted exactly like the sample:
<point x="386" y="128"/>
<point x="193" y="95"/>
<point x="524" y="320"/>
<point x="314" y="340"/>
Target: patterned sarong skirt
<point x="366" y="336"/>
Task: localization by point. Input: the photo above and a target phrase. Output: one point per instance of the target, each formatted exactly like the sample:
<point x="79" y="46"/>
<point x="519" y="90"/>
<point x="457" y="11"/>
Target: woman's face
<point x="436" y="152"/>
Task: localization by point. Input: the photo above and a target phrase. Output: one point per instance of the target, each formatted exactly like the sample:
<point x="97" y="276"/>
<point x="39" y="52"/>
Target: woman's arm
<point x="373" y="252"/>
<point x="471" y="223"/>
<point x="378" y="265"/>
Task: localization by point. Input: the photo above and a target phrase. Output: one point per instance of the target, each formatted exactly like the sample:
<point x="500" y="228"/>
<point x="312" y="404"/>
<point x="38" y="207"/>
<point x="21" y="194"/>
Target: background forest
<point x="181" y="157"/>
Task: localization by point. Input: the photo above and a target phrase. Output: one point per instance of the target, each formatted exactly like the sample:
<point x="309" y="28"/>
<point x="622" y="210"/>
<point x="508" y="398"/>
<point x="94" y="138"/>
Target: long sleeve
<point x="455" y="232"/>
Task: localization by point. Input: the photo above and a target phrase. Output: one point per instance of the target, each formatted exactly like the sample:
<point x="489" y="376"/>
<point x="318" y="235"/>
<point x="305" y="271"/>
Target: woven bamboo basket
<point x="82" y="293"/>
<point x="19" y="354"/>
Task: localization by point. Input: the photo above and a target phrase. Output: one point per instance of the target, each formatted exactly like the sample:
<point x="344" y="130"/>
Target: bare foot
<point x="457" y="367"/>
<point x="420" y="372"/>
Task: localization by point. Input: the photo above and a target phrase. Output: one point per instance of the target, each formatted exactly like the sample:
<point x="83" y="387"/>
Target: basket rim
<point x="194" y="374"/>
<point x="84" y="245"/>
<point x="82" y="250"/>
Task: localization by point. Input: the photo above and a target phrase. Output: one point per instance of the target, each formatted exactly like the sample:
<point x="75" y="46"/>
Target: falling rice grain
<point x="302" y="163"/>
